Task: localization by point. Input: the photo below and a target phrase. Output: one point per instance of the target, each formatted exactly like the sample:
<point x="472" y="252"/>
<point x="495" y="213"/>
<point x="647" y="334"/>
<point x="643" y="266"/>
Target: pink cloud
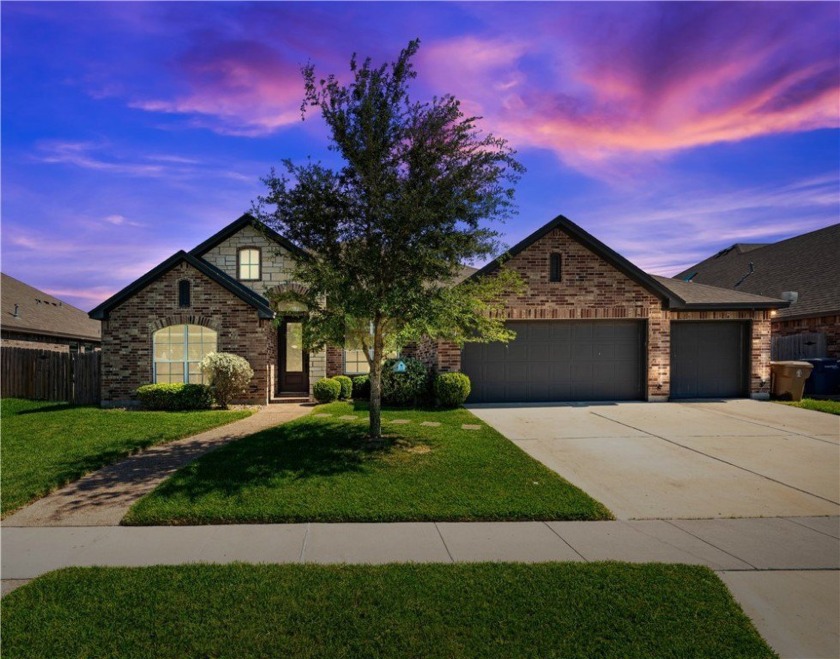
<point x="241" y="88"/>
<point x="670" y="79"/>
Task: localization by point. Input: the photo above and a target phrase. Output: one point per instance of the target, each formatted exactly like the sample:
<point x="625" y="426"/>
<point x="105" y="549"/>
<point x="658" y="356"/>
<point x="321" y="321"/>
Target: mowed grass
<point x="462" y="610"/>
<point x="827" y="406"/>
<point x="317" y="469"/>
<point x="47" y="445"/>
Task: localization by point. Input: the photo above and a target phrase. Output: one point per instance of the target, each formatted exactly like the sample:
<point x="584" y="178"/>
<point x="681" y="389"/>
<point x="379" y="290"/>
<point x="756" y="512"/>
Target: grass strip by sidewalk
<point x="827" y="406"/>
<point x="47" y="445"/>
<point x="462" y="610"/>
<point x="316" y="469"/>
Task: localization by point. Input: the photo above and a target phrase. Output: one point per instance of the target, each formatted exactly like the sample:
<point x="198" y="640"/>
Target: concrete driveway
<point x="736" y="458"/>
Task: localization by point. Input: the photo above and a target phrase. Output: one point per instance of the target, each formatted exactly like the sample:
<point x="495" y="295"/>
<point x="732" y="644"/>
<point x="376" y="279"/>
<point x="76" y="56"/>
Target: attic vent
<point x="16" y="314"/>
<point x="790" y="296"/>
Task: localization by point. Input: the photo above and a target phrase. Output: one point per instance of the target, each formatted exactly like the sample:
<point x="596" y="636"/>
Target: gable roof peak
<point x="247" y="295"/>
<point x="245" y="220"/>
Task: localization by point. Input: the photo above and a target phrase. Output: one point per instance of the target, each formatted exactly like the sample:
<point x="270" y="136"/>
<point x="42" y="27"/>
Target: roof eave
<point x="45" y="332"/>
<point x="730" y="306"/>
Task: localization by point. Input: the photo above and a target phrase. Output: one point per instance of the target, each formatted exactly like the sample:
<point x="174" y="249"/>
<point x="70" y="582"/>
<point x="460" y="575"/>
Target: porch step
<point x="280" y="400"/>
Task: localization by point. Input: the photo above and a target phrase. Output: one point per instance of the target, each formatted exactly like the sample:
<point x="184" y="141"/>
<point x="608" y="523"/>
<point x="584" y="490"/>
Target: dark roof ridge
<point x="246" y="219"/>
<point x="244" y="293"/>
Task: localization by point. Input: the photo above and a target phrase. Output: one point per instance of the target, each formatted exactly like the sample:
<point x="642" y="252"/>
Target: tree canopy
<point x="389" y="230"/>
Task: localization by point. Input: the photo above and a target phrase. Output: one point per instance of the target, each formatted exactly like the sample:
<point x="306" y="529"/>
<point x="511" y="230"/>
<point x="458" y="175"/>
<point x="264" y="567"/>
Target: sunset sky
<point x="669" y="131"/>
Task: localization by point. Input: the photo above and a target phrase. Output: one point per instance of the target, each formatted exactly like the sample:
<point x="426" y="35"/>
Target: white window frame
<point x="186" y="362"/>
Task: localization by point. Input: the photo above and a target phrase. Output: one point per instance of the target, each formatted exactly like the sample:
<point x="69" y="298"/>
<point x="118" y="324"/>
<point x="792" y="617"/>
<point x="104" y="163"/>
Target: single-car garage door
<point x="709" y="359"/>
<point x="564" y="360"/>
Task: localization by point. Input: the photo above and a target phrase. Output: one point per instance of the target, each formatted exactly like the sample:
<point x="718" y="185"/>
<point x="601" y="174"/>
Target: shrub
<point x="326" y="390"/>
<point x="228" y="375"/>
<point x="361" y="387"/>
<point x="346" y="386"/>
<point x="175" y="396"/>
<point x="409" y="388"/>
<point x="451" y="389"/>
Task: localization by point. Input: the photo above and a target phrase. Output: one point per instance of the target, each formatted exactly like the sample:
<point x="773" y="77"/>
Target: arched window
<point x="249" y="267"/>
<point x="555" y="269"/>
<point x="177" y="351"/>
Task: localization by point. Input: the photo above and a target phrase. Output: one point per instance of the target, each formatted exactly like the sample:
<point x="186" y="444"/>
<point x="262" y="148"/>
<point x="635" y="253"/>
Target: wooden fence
<point x="50" y="375"/>
<point x="798" y="346"/>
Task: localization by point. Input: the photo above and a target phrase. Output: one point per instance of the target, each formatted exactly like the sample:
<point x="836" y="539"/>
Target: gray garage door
<point x="709" y="359"/>
<point x="559" y="361"/>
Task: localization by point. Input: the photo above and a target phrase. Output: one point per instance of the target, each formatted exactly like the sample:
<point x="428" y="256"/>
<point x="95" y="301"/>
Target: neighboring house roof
<point x="246" y="220"/>
<point x="40" y="313"/>
<point x="674" y="297"/>
<point x="806" y="264"/>
<point x="244" y="293"/>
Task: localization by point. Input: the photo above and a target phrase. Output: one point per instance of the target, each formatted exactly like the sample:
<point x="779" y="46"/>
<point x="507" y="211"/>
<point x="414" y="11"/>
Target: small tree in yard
<point x="389" y="231"/>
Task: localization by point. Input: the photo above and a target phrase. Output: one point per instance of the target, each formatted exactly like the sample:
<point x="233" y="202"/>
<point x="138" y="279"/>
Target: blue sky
<point x="668" y="130"/>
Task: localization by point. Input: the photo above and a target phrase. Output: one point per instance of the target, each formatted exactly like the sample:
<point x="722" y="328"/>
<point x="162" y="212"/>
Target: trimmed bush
<point x="175" y="396"/>
<point x="326" y="390"/>
<point x="361" y="387"/>
<point x="409" y="388"/>
<point x="451" y="389"/>
<point x="228" y="375"/>
<point x="346" y="386"/>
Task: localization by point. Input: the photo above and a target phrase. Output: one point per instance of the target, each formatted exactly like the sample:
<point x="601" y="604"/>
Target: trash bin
<point x="825" y="378"/>
<point x="788" y="379"/>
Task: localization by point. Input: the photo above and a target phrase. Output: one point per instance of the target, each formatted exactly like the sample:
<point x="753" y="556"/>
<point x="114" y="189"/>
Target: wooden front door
<point x="293" y="366"/>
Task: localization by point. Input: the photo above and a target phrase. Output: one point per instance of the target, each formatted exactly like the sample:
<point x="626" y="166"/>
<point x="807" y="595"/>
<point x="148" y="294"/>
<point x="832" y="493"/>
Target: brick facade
<point x="591" y="289"/>
<point x="828" y="325"/>
<point x="127" y="348"/>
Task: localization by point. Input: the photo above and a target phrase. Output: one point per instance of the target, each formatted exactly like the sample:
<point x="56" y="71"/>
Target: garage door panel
<point x="558" y="361"/>
<point x="539" y="352"/>
<point x="517" y="371"/>
<point x="709" y="359"/>
<point x="538" y="332"/>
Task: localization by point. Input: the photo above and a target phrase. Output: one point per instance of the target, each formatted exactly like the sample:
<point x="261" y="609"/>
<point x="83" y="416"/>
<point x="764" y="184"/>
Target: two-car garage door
<point x="605" y="360"/>
<point x="559" y="361"/>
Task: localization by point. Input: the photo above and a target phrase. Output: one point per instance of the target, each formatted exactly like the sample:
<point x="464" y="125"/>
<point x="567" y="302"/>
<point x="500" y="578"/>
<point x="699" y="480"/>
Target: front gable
<point x="277" y="255"/>
<point x="589" y="286"/>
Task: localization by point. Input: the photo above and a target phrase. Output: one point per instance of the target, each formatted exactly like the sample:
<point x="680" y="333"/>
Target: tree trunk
<point x="376" y="385"/>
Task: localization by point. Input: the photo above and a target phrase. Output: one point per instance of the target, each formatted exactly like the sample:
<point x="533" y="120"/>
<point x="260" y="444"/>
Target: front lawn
<point x="828" y="406"/>
<point x="47" y="445"/>
<point x="316" y="469"/>
<point x="463" y="610"/>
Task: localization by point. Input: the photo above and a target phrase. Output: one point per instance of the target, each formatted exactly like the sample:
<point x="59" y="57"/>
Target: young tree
<point x="389" y="231"/>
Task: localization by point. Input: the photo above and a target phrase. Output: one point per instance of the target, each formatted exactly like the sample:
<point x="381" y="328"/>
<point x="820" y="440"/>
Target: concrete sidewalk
<point x="733" y="544"/>
<point x="102" y="498"/>
<point x="784" y="572"/>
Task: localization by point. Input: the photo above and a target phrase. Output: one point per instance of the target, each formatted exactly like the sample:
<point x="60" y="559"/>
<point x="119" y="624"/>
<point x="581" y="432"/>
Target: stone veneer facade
<point x="276" y="273"/>
<point x="593" y="289"/>
<point x="127" y="348"/>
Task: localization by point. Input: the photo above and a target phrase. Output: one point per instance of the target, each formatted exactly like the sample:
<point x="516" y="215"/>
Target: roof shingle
<point x="806" y="264"/>
<point x="41" y="313"/>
